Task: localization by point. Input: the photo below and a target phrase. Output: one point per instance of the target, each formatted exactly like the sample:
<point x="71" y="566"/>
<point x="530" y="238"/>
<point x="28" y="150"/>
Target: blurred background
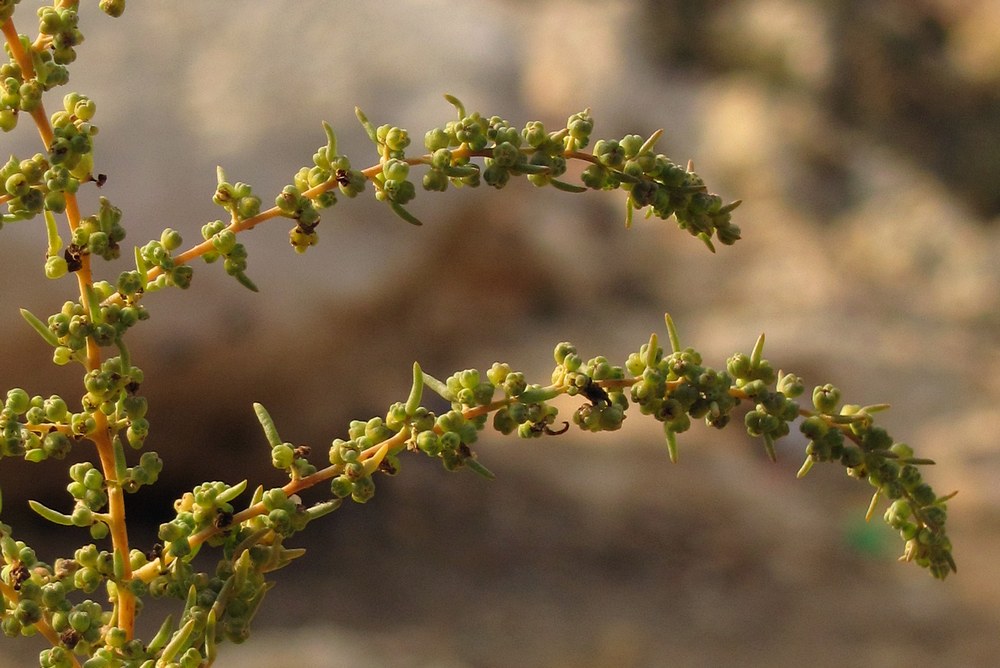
<point x="864" y="139"/>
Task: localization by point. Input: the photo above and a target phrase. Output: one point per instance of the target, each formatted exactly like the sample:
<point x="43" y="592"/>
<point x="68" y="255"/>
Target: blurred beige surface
<point x="869" y="258"/>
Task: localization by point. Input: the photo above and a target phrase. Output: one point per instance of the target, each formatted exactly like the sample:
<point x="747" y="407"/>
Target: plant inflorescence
<point x="85" y="604"/>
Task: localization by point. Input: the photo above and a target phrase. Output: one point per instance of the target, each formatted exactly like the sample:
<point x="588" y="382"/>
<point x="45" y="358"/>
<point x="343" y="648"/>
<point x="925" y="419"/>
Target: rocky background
<point x="864" y="139"/>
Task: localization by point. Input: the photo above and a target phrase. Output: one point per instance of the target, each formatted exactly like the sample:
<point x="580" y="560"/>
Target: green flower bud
<point x="180" y="548"/>
<point x="923" y="495"/>
<point x="595" y="176"/>
<point x="496" y="176"/>
<point x="826" y="398"/>
<point x="18" y="401"/>
<point x="534" y="133"/>
<point x="902" y="450"/>
<point x="56" y="444"/>
<point x="435" y="181"/>
<point x="8" y="119"/>
<point x="814" y="427"/>
<point x="396" y="139"/>
<point x="181" y="276"/>
<point x="99" y="530"/>
<point x="282" y="455"/>
<point x="171" y="239"/>
<point x="27" y="612"/>
<point x="364" y="490"/>
<point x="909" y="476"/>
<point x="341" y="486"/>
<point x="17" y="185"/>
<point x="436" y="139"/>
<point x="394" y="169"/>
<point x="429" y="443"/>
<point x="87" y="579"/>
<point x="113" y="8"/>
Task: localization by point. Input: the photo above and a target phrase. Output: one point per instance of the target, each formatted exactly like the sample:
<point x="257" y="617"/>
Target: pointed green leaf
<point x="267" y="423"/>
<point x="455" y="102"/>
<point x="416" y="391"/>
<point x="367" y="125"/>
<point x="51" y="515"/>
<point x="398" y="209"/>
<point x="40" y="327"/>
<point x="567" y="187"/>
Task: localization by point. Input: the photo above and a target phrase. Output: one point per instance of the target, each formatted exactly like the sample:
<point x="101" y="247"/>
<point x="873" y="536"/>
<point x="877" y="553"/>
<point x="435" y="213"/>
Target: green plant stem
<point x="101" y="436"/>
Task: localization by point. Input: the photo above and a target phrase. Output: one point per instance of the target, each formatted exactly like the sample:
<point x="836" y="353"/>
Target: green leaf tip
<point x="566" y="187"/>
<point x="675" y="342"/>
<point x="267" y="424"/>
<point x="367" y="125"/>
<point x="650" y="143"/>
<point x="416" y="391"/>
<point x="475" y="466"/>
<point x="331" y="138"/>
<point x="245" y="281"/>
<point x="758" y="352"/>
<point x="455" y="102"/>
<point x="53" y="516"/>
<point x="398" y="209"/>
<point x="40" y="327"/>
<point x="671" y="443"/>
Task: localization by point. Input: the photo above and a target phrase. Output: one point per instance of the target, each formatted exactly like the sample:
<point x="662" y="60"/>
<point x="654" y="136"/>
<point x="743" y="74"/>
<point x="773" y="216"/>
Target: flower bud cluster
<point x="531" y="151"/>
<point x="73" y="131"/>
<point x="24" y="94"/>
<point x="850" y="437"/>
<point x="224" y="245"/>
<point x="666" y="188"/>
<point x="329" y="169"/>
<point x="159" y="253"/>
<point x="606" y="408"/>
<point x="207" y="505"/>
<point x="43" y="596"/>
<point x="100" y="234"/>
<point x="59" y="25"/>
<point x="523" y="410"/>
<point x="238" y="199"/>
<point x="43" y="181"/>
<point x="45" y="429"/>
<point x="71" y="327"/>
<point x="677" y="388"/>
<point x="507" y="150"/>
<point x="355" y="478"/>
<point x="23" y="185"/>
